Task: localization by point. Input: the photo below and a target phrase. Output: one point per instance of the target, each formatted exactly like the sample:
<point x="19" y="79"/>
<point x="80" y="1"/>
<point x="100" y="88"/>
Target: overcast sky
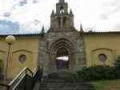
<point x="99" y="15"/>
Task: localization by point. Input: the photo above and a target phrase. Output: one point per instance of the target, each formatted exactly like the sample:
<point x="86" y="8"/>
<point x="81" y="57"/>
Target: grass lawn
<point x="107" y="85"/>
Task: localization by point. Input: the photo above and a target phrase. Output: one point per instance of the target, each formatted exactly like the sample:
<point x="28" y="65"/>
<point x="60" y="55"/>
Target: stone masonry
<point x="61" y="34"/>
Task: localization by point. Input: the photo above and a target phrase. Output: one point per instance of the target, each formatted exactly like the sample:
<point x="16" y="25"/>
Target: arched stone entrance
<point x="62" y="55"/>
<point x="62" y="58"/>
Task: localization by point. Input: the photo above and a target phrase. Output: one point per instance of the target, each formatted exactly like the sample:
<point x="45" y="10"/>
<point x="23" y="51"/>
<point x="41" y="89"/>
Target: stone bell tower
<point x="61" y="40"/>
<point x="62" y="18"/>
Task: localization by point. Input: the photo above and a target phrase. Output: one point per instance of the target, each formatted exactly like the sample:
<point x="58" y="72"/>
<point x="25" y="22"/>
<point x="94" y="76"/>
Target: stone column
<point x="80" y="54"/>
<point x="43" y="58"/>
<point x="61" y="22"/>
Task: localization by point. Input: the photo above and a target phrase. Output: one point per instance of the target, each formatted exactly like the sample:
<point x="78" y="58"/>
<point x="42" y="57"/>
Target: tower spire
<point x="42" y="31"/>
<point x="81" y="28"/>
<point x="61" y="1"/>
<point x="62" y="18"/>
<point x="62" y="7"/>
<point x="52" y="14"/>
<point x="71" y="13"/>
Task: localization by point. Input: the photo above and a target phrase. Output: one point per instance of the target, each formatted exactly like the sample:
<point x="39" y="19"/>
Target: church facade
<point x="62" y="47"/>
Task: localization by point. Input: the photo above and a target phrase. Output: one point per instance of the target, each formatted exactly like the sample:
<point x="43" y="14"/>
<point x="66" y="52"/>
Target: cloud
<point x="8" y="27"/>
<point x="96" y="14"/>
<point x="7" y="14"/>
<point x="31" y="27"/>
<point x="117" y="26"/>
<point x="104" y="16"/>
<point x="111" y="8"/>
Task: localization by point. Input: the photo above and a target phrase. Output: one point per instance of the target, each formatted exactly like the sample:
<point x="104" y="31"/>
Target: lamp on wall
<point x="10" y="40"/>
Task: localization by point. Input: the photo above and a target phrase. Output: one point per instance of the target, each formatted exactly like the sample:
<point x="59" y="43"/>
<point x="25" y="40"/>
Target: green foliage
<point x="101" y="72"/>
<point x="106" y="84"/>
<point x="117" y="68"/>
<point x="96" y="73"/>
<point x="117" y="63"/>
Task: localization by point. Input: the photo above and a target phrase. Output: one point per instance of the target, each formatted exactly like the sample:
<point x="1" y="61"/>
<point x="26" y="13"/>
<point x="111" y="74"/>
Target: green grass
<point x="107" y="85"/>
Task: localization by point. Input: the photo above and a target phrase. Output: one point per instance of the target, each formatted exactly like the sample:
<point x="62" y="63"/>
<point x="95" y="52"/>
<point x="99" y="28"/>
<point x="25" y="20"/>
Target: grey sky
<point x="99" y="15"/>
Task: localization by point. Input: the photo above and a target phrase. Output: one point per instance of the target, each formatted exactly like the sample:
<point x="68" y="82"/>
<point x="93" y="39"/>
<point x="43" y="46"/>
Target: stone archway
<point x="62" y="55"/>
<point x="62" y="58"/>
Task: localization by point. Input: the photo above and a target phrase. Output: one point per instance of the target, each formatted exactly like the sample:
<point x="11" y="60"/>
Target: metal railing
<point x="25" y="80"/>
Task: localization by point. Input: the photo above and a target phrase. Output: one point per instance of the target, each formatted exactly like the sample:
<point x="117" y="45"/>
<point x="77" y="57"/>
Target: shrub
<point x="117" y="63"/>
<point x="117" y="68"/>
<point x="96" y="73"/>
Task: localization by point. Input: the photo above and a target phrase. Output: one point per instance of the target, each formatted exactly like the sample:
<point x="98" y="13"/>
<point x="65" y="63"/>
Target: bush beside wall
<point x="117" y="68"/>
<point x="96" y="73"/>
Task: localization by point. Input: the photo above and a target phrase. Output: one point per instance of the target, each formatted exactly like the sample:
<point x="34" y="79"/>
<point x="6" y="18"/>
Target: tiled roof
<point x="38" y="33"/>
<point x="22" y="34"/>
<point x="108" y="32"/>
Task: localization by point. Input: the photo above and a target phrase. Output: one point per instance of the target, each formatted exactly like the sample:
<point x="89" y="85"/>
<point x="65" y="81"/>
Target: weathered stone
<point x="61" y="34"/>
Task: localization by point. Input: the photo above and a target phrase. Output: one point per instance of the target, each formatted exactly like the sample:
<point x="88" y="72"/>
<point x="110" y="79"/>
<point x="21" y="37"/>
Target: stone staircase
<point x="63" y="85"/>
<point x="58" y="83"/>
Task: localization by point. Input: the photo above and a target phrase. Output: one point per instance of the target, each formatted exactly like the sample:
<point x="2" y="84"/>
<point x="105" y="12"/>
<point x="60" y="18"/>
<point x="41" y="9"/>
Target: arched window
<point x="62" y="10"/>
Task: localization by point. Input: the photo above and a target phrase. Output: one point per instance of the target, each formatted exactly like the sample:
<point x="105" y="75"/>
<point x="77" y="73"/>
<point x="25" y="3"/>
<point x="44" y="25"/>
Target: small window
<point x="61" y="8"/>
<point x="102" y="58"/>
<point x="22" y="58"/>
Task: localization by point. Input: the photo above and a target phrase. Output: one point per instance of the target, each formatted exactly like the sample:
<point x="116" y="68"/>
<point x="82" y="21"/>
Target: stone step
<point x="66" y="86"/>
<point x="37" y="85"/>
<point x="64" y="81"/>
<point x="66" y="89"/>
<point x="75" y="88"/>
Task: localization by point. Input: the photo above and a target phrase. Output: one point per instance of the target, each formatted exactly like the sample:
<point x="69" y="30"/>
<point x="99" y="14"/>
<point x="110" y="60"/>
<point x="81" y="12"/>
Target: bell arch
<point x="61" y="55"/>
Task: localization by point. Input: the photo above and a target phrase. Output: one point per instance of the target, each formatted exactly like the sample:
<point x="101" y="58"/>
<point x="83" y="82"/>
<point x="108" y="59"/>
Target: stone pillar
<point x="80" y="54"/>
<point x="46" y="65"/>
<point x="43" y="57"/>
<point x="61" y="22"/>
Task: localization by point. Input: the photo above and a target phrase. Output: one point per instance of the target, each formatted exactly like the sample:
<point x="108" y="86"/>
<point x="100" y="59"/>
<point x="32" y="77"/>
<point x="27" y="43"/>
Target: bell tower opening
<point x="62" y="6"/>
<point x="62" y="59"/>
<point x="62" y="18"/>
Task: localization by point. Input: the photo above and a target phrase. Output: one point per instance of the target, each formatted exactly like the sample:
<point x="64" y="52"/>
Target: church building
<point x="62" y="47"/>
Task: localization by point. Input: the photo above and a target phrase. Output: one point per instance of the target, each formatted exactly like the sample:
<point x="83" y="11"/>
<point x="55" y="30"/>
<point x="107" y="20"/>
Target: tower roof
<point x="43" y="30"/>
<point x="81" y="28"/>
<point x="62" y="18"/>
<point x="71" y="13"/>
<point x="61" y="1"/>
<point x="52" y="14"/>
